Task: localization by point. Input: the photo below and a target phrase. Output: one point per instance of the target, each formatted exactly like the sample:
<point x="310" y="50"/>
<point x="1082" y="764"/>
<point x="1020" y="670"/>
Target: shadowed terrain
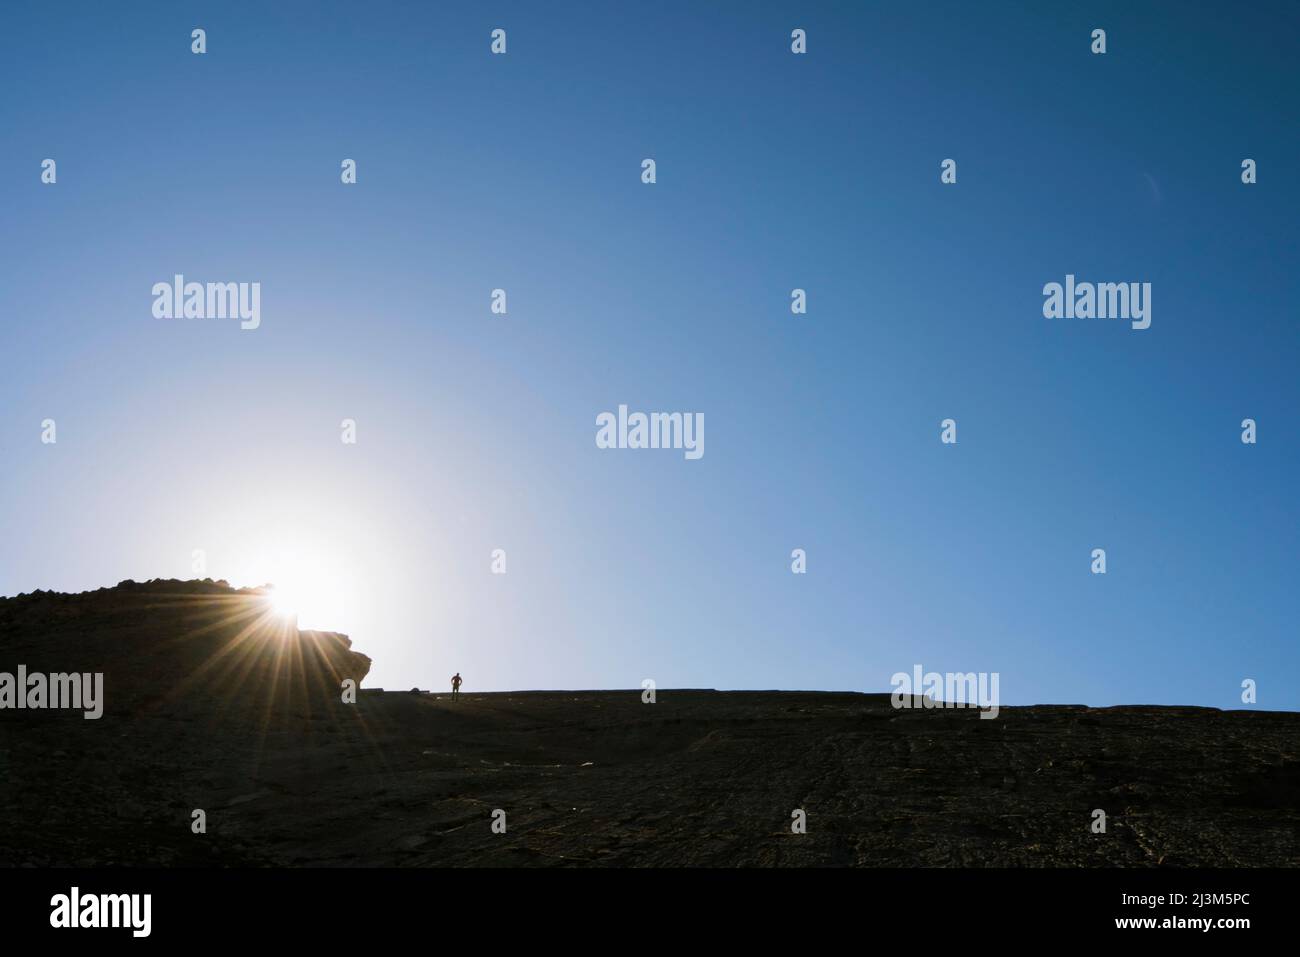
<point x="212" y="705"/>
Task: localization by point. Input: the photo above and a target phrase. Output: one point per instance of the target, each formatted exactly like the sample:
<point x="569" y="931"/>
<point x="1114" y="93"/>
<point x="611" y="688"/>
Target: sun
<point x="308" y="597"/>
<point x="285" y="602"/>
<point x="310" y="586"/>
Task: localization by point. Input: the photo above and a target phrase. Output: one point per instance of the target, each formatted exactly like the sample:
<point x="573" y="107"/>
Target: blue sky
<point x="775" y="171"/>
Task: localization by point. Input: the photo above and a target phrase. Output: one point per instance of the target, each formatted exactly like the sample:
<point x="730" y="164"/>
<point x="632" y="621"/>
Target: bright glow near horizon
<point x="313" y="585"/>
<point x="285" y="602"/>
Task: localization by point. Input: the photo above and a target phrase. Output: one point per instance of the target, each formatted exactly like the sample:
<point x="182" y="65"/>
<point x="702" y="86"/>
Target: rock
<point x="245" y="798"/>
<point x="131" y="634"/>
<point x="131" y="811"/>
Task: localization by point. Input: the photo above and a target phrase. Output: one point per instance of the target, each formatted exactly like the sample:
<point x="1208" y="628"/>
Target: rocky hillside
<point x="213" y="707"/>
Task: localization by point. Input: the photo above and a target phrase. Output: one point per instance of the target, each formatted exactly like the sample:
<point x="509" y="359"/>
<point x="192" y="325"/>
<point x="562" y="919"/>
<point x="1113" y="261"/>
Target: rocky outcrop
<point x="202" y="684"/>
<point x="337" y="648"/>
<point x="179" y="645"/>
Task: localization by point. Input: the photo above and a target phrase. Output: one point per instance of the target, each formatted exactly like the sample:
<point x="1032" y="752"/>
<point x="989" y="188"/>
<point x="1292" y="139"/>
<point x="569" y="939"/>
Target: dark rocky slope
<point x="246" y="723"/>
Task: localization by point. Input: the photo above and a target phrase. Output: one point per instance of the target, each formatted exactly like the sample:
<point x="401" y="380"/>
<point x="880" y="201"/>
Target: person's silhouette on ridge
<point x="455" y="685"/>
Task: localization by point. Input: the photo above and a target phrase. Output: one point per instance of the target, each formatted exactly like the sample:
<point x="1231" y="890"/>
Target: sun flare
<point x="310" y="589"/>
<point x="313" y="600"/>
<point x="284" y="602"/>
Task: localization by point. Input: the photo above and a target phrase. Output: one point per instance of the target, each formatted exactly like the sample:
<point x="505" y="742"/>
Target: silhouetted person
<point x="455" y="685"/>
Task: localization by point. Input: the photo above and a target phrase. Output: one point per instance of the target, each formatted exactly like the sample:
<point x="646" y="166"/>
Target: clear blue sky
<point x="775" y="171"/>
